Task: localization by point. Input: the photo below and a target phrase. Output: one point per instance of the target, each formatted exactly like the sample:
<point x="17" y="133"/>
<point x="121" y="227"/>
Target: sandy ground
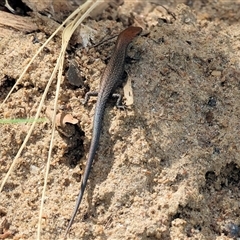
<point x="168" y="167"/>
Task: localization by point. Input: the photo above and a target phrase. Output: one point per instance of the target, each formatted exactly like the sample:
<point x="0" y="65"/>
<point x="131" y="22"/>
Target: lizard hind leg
<point x="119" y="103"/>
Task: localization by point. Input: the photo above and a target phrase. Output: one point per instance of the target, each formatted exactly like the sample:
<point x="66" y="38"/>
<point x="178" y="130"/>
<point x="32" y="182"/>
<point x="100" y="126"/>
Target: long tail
<point x="98" y="116"/>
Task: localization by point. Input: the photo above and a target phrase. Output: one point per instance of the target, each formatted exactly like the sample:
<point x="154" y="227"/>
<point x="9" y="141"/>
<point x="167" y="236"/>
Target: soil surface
<point x="168" y="167"/>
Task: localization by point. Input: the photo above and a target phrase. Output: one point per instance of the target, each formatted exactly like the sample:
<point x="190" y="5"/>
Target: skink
<point x="112" y="77"/>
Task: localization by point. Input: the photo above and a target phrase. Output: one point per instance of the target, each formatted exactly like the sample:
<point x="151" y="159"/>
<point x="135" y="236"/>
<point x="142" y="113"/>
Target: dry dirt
<point x="169" y="166"/>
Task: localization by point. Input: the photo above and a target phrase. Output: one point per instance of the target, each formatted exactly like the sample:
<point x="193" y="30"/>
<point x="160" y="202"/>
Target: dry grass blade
<point x="41" y="48"/>
<point x="29" y="133"/>
<point x="44" y="94"/>
<point x="82" y="13"/>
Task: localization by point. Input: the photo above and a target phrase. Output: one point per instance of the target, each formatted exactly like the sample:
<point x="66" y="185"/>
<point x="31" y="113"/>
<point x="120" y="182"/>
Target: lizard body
<point x="112" y="77"/>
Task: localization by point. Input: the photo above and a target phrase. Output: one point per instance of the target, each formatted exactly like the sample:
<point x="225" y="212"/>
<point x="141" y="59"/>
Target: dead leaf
<point x="128" y="93"/>
<point x="63" y="118"/>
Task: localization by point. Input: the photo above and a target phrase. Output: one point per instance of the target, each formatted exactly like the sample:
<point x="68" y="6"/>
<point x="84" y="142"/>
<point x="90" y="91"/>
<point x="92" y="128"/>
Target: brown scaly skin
<point x="111" y="78"/>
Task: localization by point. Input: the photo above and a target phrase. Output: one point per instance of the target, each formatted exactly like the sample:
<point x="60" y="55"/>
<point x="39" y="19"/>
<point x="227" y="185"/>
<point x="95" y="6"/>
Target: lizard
<point x="111" y="78"/>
